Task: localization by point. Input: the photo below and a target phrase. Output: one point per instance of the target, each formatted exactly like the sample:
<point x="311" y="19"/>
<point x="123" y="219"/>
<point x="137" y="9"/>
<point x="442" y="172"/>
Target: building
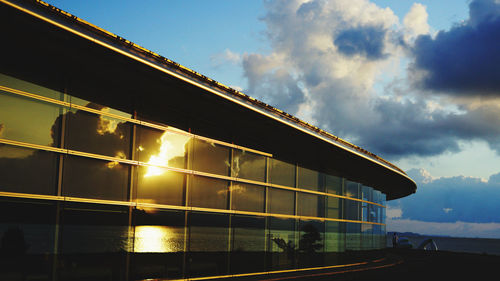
<point x="119" y="164"/>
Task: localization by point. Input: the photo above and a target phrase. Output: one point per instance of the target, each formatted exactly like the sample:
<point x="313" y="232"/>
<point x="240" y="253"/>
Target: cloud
<point x="366" y="41"/>
<point x="463" y="61"/>
<point x="451" y="199"/>
<point x="228" y="56"/>
<point x="415" y="22"/>
<point x="455" y="229"/>
<point x="328" y="59"/>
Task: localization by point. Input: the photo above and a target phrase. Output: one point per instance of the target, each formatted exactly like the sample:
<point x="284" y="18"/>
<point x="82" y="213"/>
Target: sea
<point x="455" y="244"/>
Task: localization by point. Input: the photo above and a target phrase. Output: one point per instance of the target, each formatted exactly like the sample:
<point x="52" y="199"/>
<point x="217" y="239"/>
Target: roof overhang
<point x="59" y="51"/>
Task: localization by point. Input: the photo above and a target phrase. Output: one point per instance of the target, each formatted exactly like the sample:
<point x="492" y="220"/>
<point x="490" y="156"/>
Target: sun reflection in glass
<point x="156" y="239"/>
<point x="171" y="146"/>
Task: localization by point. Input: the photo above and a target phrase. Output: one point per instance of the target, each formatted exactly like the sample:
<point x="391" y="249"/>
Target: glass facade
<point x="95" y="194"/>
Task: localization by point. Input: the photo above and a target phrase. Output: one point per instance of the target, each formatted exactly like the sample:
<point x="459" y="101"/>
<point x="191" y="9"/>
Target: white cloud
<point x="225" y="57"/>
<point x="415" y="22"/>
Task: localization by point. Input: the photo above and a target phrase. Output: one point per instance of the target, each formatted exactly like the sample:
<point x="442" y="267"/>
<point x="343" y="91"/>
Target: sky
<point x="415" y="82"/>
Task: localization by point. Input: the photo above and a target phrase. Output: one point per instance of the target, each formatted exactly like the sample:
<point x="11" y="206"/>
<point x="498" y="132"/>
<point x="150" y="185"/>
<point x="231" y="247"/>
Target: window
<point x="27" y="170"/>
<point x="309" y="179"/>
<point x="29" y="120"/>
<point x="281" y="173"/>
<point x="158" y="244"/>
<point x="210" y="157"/>
<point x="310" y="205"/>
<point x="208" y="192"/>
<point x="163" y="148"/>
<point x="334" y="184"/>
<point x="248" y="244"/>
<point x="160" y="186"/>
<point x="92" y="178"/>
<point x="97" y="134"/>
<point x="247" y="197"/>
<point x="94" y="241"/>
<point x="281" y="201"/>
<point x="282" y="243"/>
<point x="208" y="244"/>
<point x="247" y="165"/>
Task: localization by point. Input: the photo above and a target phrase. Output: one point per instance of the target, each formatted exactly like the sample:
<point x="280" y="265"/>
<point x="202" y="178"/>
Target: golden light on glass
<point x="171" y="146"/>
<point x="156" y="239"/>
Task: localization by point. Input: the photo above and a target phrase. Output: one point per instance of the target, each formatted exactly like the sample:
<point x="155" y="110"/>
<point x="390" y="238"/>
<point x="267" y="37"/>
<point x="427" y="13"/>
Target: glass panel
<point x="282" y="245"/>
<point x="352" y="210"/>
<point x="208" y="192"/>
<point x="247" y="165"/>
<point x="311" y="243"/>
<point x="210" y="157"/>
<point x="247" y="197"/>
<point x="158" y="244"/>
<point x="208" y="244"/>
<point x="281" y="201"/>
<point x="333" y="207"/>
<point x="248" y="244"/>
<point x="82" y="102"/>
<point x="27" y="232"/>
<point x="98" y="134"/>
<point x="91" y="178"/>
<point x="29" y="120"/>
<point x="31" y="88"/>
<point x="309" y="179"/>
<point x="335" y="236"/>
<point x="366" y="236"/>
<point x="160" y="186"/>
<point x="353" y="236"/>
<point x="163" y="148"/>
<point x="94" y="241"/>
<point x="334" y="185"/>
<point x="281" y="173"/>
<point x="334" y="242"/>
<point x="352" y="189"/>
<point x="27" y="170"/>
<point x="310" y="205"/>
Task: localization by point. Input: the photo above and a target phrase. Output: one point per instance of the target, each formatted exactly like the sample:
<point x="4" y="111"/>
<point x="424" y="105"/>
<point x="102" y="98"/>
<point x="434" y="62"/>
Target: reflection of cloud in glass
<point x="171" y="146"/>
<point x="107" y="125"/>
<point x="156" y="239"/>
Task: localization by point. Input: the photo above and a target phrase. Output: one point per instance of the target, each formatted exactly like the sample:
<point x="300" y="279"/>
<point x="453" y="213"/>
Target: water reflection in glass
<point x="94" y="241"/>
<point x="248" y="244"/>
<point x="208" y="244"/>
<point x="158" y="244"/>
<point x="27" y="235"/>
<point x="282" y="243"/>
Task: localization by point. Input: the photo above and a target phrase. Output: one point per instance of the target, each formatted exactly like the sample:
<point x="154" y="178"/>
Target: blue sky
<point x="416" y="82"/>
